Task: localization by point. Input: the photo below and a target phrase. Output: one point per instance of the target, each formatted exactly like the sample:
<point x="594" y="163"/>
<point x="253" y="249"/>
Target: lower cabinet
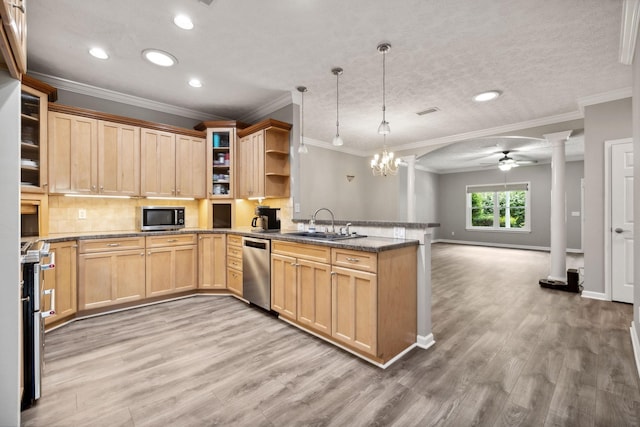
<point x="171" y="264"/>
<point x="63" y="280"/>
<point x="234" y="264"/>
<point x="211" y="261"/>
<point x="285" y="285"/>
<point x="110" y="276"/>
<point x="314" y="295"/>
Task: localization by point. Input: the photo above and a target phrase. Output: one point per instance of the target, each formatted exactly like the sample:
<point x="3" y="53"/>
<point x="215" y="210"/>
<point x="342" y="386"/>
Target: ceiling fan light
<point x="505" y="166"/>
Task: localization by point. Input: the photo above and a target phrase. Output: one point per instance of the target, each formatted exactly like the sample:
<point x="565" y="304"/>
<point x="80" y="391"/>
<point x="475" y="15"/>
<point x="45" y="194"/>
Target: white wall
<point x="452" y="204"/>
<point x="602" y="122"/>
<point x="9" y="249"/>
<point x="636" y="189"/>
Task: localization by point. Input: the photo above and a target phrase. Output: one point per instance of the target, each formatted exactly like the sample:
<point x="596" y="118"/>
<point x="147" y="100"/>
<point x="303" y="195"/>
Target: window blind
<point x="490" y="188"/>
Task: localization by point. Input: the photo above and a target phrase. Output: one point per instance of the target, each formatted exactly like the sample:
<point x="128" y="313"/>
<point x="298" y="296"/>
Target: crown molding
<point x="260" y="112"/>
<point x="629" y="30"/>
<point x="600" y="98"/>
<point x="543" y="121"/>
<point x="89" y="90"/>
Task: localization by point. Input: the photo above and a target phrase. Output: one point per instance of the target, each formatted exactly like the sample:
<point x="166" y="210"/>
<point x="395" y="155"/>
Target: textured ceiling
<point x="544" y="55"/>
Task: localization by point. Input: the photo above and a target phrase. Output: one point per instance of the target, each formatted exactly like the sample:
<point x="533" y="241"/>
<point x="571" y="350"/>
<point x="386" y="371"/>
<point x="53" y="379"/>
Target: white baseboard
<point x="504" y="245"/>
<point x="595" y="295"/>
<point x="635" y="344"/>
<point x="425" y="342"/>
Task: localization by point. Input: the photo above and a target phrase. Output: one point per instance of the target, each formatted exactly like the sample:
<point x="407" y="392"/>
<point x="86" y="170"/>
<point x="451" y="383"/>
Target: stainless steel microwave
<point x="154" y="218"/>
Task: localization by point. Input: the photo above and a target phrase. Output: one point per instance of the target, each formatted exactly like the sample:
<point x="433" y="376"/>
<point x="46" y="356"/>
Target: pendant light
<point x="337" y="140"/>
<point x="302" y="149"/>
<point x="384" y="128"/>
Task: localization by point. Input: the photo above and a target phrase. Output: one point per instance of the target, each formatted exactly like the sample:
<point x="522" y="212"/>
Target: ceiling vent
<point x="428" y="111"/>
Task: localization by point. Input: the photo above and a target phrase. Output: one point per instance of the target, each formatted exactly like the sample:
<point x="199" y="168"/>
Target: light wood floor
<point x="507" y="353"/>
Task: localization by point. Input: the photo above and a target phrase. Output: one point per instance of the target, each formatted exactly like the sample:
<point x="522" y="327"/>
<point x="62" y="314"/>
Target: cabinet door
<point x="284" y="285"/>
<point x="234" y="281"/>
<point x="243" y="167"/>
<point x="63" y="280"/>
<point x="211" y="261"/>
<point x="257" y="164"/>
<point x="314" y="295"/>
<point x="14" y="19"/>
<point x="157" y="163"/>
<point x="33" y="144"/>
<point x="354" y="308"/>
<point x="73" y="154"/>
<point x="129" y="276"/>
<point x="186" y="268"/>
<point x="160" y="271"/>
<point x="118" y="159"/>
<point x="191" y="165"/>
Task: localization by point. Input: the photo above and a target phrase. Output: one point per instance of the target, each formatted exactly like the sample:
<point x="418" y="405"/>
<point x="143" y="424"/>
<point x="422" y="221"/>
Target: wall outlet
<point x="82" y="214"/>
<point x="398" y="232"/>
<point x="453" y="233"/>
<point x="296" y="208"/>
<point x="300" y="226"/>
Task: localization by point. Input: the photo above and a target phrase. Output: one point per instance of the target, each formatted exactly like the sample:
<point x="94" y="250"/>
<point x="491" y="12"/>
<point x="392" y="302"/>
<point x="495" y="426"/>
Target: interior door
<point x="622" y="222"/>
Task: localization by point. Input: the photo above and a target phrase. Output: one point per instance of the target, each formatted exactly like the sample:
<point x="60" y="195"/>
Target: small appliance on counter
<point x="266" y="219"/>
<point x="158" y="218"/>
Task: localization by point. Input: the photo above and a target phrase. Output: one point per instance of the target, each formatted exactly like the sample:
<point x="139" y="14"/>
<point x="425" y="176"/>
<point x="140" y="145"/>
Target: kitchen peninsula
<point x="358" y="294"/>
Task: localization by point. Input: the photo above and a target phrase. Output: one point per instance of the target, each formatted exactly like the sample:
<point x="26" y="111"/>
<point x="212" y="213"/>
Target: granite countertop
<point x="367" y="243"/>
<point x="356" y="223"/>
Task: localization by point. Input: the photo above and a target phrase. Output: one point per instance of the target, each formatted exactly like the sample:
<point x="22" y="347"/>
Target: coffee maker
<point x="266" y="219"/>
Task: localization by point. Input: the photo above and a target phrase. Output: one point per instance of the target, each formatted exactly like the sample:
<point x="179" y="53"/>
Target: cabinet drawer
<point x="365" y="261"/>
<point x="234" y="263"/>
<point x="104" y="245"/>
<point x="171" y="240"/>
<point x="301" y="250"/>
<point x="234" y="251"/>
<point x="234" y="240"/>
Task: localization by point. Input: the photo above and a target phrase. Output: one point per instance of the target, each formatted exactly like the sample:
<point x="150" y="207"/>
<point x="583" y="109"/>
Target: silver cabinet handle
<point x="172" y="240"/>
<point x="618" y="230"/>
<point x="333" y="273"/>
<point x="25" y="299"/>
<point x="113" y="245"/>
<point x="353" y="259"/>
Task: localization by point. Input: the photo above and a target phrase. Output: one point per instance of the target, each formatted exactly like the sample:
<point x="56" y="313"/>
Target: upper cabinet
<point x="221" y="159"/>
<point x="13" y="36"/>
<point x="263" y="153"/>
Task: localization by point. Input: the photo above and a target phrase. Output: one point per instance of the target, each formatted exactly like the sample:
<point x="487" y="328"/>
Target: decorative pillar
<point x="558" y="271"/>
<point x="411" y="188"/>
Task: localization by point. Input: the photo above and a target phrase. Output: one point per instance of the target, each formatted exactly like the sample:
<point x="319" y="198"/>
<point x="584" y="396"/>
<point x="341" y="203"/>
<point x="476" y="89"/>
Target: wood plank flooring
<point x="507" y="353"/>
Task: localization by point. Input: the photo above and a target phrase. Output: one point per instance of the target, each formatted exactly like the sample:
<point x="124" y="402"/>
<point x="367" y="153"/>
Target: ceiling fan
<point x="505" y="163"/>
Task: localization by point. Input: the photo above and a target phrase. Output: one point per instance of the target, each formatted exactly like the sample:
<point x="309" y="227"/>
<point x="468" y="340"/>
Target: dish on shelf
<point x="27" y="162"/>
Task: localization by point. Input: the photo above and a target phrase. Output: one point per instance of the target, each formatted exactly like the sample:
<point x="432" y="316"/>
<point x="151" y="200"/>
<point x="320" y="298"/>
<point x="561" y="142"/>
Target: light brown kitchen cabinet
<point x="263" y="167"/>
<point x="158" y="163"/>
<point x="33" y="143"/>
<point x="73" y="154"/>
<point x="234" y="264"/>
<point x="171" y="264"/>
<point x="191" y="167"/>
<point x="212" y="261"/>
<point x="301" y="284"/>
<point x="13" y="36"/>
<point x="63" y="280"/>
<point x="118" y="159"/>
<point x="110" y="271"/>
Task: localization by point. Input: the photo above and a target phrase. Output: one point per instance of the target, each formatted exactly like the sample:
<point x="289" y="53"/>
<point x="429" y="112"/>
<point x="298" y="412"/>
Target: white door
<point x="622" y="222"/>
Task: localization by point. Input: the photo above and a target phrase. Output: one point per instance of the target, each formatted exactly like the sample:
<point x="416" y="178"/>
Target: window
<point x="501" y="207"/>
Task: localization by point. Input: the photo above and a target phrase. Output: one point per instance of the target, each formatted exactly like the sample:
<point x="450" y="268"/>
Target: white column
<point x="558" y="270"/>
<point x="411" y="188"/>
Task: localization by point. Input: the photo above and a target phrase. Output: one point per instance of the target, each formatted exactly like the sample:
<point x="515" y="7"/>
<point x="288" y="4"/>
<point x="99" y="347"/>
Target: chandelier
<point x="384" y="164"/>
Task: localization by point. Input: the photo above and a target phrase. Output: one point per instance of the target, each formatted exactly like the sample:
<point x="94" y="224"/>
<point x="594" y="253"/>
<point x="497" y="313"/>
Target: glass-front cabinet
<point x="33" y="136"/>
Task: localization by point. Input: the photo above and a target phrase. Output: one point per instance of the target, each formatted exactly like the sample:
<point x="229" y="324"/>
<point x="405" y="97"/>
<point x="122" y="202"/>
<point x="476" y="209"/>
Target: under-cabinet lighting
<point x="97" y="196"/>
<point x="169" y="198"/>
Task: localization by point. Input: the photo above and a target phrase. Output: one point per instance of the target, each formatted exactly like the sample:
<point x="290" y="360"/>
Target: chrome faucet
<point x="313" y="218"/>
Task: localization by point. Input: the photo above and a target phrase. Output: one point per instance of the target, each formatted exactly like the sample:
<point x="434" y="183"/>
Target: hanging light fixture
<point x="384" y="164"/>
<point x="337" y="140"/>
<point x="302" y="149"/>
<point x="384" y="128"/>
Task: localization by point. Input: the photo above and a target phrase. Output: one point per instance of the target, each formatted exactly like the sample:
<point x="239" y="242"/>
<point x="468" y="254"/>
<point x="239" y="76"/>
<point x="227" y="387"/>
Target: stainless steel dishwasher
<point x="256" y="271"/>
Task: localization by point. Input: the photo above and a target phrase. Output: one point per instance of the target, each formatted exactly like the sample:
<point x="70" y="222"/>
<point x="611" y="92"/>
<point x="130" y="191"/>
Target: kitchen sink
<point x="324" y="235"/>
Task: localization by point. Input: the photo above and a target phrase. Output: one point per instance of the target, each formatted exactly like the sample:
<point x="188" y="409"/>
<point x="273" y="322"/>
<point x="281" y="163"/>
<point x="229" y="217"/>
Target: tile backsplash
<point x="106" y="215"/>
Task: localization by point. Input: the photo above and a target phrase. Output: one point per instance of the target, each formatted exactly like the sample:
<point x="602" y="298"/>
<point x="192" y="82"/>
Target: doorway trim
<point x="607" y="213"/>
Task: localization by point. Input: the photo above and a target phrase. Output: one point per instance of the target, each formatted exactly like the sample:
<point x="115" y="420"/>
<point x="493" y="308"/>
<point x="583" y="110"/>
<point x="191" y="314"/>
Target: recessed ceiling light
<point x="183" y="21"/>
<point x="487" y="96"/>
<point x="98" y="52"/>
<point x="195" y="83"/>
<point x="159" y="57"/>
